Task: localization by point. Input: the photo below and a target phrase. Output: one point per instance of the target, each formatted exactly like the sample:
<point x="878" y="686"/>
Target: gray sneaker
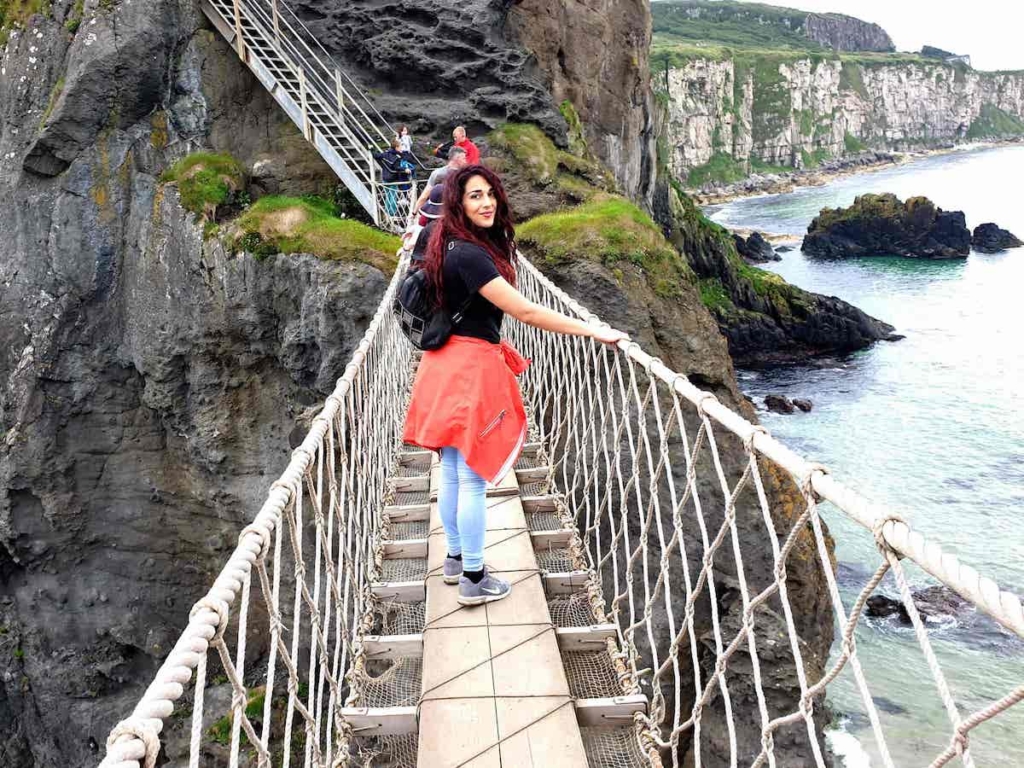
<point x="488" y="590"/>
<point x="452" y="570"/>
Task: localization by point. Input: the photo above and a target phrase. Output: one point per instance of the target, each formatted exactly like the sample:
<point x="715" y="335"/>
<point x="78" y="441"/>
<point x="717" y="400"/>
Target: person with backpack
<point x="465" y="400"/>
<point x="396" y="173"/>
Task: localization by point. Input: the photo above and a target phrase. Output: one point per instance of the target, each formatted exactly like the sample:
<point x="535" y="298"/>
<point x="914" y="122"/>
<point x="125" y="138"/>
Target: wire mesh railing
<point x="708" y="550"/>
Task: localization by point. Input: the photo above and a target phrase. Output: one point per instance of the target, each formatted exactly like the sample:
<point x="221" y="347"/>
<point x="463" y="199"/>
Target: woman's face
<point x="480" y="202"/>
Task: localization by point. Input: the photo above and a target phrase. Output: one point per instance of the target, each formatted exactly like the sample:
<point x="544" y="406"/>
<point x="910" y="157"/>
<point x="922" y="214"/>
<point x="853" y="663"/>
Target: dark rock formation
<point x="755" y="248"/>
<point x="989" y="238"/>
<point x="883" y="225"/>
<point x="880" y="606"/>
<point x="779" y="404"/>
<point x="932" y="603"/>
<point x="803" y="404"/>
<point x="765" y="319"/>
<point x="845" y="33"/>
<point x="434" y="65"/>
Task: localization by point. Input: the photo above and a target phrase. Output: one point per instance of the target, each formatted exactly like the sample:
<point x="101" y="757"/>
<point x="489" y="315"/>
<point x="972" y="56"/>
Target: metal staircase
<point x="332" y="112"/>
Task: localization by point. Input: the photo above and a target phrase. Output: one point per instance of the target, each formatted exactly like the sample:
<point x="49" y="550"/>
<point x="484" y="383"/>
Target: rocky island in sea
<point x="884" y="225"/>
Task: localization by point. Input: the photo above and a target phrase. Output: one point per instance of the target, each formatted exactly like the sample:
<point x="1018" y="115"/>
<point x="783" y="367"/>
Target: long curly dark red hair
<point x="498" y="239"/>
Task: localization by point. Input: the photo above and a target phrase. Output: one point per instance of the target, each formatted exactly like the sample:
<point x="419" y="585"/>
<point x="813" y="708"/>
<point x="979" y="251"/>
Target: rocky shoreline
<point x="756" y="184"/>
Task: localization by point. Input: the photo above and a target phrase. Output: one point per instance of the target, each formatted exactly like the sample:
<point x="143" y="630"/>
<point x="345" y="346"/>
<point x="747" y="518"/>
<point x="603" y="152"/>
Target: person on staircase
<point x="459" y="139"/>
<point x="404" y="138"/>
<point x="465" y="400"/>
<point x="456" y="159"/>
<point x="396" y="173"/>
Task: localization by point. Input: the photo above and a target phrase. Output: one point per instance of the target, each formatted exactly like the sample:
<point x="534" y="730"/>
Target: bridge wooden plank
<point x="487" y="669"/>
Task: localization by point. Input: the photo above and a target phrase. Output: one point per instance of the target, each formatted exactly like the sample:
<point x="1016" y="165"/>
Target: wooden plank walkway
<point x="494" y="689"/>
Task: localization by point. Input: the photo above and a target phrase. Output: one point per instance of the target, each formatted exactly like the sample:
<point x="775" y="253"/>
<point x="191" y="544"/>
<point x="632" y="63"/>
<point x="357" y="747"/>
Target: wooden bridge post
<point x="239" y="43"/>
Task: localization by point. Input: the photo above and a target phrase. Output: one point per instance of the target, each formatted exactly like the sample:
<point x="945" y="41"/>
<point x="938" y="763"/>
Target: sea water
<point x="932" y="427"/>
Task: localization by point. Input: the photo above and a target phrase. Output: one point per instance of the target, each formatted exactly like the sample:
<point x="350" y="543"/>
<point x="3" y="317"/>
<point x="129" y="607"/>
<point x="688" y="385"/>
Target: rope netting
<point x="692" y="554"/>
<point x="708" y="550"/>
<point x="286" y="612"/>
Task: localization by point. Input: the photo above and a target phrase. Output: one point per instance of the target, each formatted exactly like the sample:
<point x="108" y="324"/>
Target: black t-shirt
<point x="467" y="268"/>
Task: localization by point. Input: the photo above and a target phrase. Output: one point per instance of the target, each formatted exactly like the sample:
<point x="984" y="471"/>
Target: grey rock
<point x="845" y="33"/>
<point x="803" y="404"/>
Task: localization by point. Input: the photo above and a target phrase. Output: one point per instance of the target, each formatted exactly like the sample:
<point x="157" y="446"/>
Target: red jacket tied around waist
<point x="466" y="396"/>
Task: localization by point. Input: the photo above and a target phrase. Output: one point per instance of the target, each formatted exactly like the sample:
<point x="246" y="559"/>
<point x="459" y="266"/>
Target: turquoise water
<point x="931" y="426"/>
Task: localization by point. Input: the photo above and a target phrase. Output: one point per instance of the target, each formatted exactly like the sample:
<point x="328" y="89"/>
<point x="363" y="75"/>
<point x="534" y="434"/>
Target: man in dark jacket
<point x="396" y="173"/>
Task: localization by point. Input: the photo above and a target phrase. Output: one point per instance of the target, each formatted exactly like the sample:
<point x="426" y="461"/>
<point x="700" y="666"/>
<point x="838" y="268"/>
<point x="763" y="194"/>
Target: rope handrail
<point x="665" y="521"/>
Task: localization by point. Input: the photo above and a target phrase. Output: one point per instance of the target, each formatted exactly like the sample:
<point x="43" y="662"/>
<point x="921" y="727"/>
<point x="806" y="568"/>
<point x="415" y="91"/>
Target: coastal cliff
<point x="152" y="379"/>
<point x="733" y="110"/>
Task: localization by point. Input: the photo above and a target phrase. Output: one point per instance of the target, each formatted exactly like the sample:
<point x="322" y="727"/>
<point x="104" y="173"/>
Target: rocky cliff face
<point x="845" y="33"/>
<point x="796" y="111"/>
<point x="483" y="62"/>
<point x="142" y="372"/>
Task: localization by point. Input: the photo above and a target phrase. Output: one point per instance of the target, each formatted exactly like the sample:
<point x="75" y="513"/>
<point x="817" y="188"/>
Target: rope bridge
<point x="652" y="518"/>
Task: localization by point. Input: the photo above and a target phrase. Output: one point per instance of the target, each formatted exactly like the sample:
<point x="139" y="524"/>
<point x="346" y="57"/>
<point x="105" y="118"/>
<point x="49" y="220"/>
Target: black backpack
<point x="423" y="323"/>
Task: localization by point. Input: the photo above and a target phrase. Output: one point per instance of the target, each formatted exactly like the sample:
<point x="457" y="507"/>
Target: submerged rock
<point x="883" y="225"/>
<point x="755" y="248"/>
<point x="779" y="404"/>
<point x="989" y="238"/>
<point x="803" y="404"/>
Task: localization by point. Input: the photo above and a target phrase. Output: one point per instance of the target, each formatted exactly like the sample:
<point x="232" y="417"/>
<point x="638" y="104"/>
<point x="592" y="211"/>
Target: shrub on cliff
<point x="277" y="224"/>
<point x="612" y="231"/>
<point x="205" y="180"/>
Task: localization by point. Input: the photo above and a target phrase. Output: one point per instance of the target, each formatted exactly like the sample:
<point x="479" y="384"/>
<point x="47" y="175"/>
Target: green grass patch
<point x="544" y="164"/>
<point x="74" y="20"/>
<point x="722" y="168"/>
<point x="739" y="25"/>
<point x="278" y="224"/>
<point x="14" y="14"/>
<point x="853" y="144"/>
<point x="993" y="123"/>
<point x="815" y="158"/>
<point x="55" y="93"/>
<point x="757" y="165"/>
<point x="807" y="121"/>
<point x="577" y="141"/>
<point x="714" y="296"/>
<point x="611" y="231"/>
<point x="205" y="180"/>
<point x="852" y="79"/>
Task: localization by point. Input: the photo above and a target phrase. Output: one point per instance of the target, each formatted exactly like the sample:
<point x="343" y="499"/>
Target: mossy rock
<point x="205" y="180"/>
<point x="277" y="224"/>
<point x="611" y="231"/>
<point x="545" y="164"/>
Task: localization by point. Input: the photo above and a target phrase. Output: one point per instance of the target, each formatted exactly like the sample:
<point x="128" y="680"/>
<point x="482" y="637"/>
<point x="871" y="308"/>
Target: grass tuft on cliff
<point x="612" y="231"/>
<point x="994" y="123"/>
<point x="544" y="164"/>
<point x="721" y="168"/>
<point x="278" y="224"/>
<point x="205" y="180"/>
<point x="14" y="14"/>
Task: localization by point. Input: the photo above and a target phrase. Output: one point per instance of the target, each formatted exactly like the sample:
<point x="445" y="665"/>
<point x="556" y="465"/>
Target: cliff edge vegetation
<point x="749" y="92"/>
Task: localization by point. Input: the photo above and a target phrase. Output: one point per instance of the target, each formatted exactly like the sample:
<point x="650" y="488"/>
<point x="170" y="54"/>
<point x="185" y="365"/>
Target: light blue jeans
<point x="462" y="503"/>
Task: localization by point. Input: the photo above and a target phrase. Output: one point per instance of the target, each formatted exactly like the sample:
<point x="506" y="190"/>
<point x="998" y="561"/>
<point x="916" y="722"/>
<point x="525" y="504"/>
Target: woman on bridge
<point x="465" y="400"/>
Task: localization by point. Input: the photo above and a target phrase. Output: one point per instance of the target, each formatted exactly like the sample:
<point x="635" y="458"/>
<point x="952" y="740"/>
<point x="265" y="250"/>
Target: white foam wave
<point x="847" y="748"/>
